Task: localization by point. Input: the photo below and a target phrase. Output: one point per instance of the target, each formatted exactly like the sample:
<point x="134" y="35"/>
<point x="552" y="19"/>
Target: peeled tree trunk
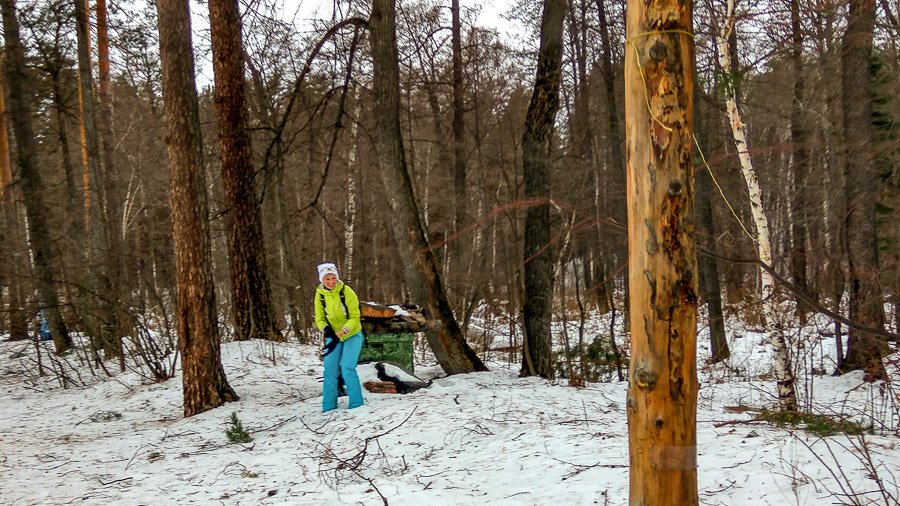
<point x="784" y="373"/>
<point x="662" y="379"/>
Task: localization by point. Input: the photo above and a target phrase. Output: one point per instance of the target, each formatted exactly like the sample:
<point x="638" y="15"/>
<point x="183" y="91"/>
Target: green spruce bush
<point x="236" y="433"/>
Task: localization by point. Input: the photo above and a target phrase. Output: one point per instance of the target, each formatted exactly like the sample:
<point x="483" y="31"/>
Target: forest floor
<point x="475" y="439"/>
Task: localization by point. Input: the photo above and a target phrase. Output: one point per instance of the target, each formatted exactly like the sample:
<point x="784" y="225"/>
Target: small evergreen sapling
<point x="236" y="433"/>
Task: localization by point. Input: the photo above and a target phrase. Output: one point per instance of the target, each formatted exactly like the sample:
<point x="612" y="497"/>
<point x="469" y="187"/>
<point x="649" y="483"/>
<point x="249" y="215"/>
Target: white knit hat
<point x="327" y="268"/>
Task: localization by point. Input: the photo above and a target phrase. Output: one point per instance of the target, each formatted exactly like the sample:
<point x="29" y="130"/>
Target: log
<point x="381" y="387"/>
<point x="373" y="310"/>
<point x="381" y="319"/>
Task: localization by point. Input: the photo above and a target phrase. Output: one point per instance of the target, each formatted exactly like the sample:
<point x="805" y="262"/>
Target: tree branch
<point x="804" y="296"/>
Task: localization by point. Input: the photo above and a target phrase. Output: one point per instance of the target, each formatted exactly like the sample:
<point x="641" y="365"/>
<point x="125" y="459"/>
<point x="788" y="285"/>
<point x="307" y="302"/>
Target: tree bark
<point x="112" y="342"/>
<point x="614" y="206"/>
<point x="36" y="209"/>
<point x="254" y="314"/>
<point x="784" y="373"/>
<point x="352" y="189"/>
<point x="536" y="148"/>
<point x="12" y="242"/>
<point x="799" y="163"/>
<point x="96" y="222"/>
<point x="710" y="288"/>
<point x="460" y="194"/>
<point x="421" y="271"/>
<point x="204" y="384"/>
<point x="864" y="351"/>
<point x="662" y="385"/>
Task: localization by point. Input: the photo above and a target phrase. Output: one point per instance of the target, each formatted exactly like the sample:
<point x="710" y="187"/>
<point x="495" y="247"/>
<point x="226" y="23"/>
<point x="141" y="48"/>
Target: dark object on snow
<point x="342" y="387"/>
<point x="395" y="379"/>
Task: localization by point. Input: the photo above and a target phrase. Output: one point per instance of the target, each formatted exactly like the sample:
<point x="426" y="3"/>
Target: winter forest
<point x="642" y="233"/>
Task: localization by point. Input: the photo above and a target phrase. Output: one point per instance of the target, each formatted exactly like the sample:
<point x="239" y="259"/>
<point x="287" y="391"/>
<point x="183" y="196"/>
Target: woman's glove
<point x="331" y="341"/>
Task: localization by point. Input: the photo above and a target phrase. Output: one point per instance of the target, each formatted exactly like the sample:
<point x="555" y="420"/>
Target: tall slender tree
<point x="254" y="314"/>
<point x="112" y="220"/>
<point x="799" y="161"/>
<point x="536" y="166"/>
<point x="784" y="372"/>
<point x="12" y="242"/>
<point x="204" y="383"/>
<point x="864" y="350"/>
<point x="460" y="194"/>
<point x="36" y="210"/>
<point x="662" y="378"/>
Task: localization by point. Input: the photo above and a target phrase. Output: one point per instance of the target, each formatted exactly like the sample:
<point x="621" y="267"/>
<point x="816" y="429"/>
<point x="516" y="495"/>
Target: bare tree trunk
<point x="36" y="210"/>
<point x="799" y="164"/>
<point x="460" y="194"/>
<point x="73" y="206"/>
<point x="352" y="189"/>
<point x="784" y="374"/>
<point x="12" y="242"/>
<point x="710" y="286"/>
<point x="204" y="382"/>
<point x="421" y="270"/>
<point x="254" y="314"/>
<point x="116" y="328"/>
<point x="662" y="387"/>
<point x="614" y="207"/>
<point x="864" y="351"/>
<point x="536" y="147"/>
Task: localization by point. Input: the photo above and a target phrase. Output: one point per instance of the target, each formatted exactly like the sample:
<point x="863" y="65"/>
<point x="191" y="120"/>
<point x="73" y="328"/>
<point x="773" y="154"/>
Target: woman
<point x="337" y="316"/>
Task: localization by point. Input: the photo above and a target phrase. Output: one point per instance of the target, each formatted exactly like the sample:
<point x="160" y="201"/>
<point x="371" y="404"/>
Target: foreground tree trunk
<point x="254" y="315"/>
<point x="864" y="351"/>
<point x="205" y="386"/>
<point x="29" y="176"/>
<point x="662" y="379"/>
<point x="536" y="147"/>
<point x="784" y="373"/>
<point x="421" y="270"/>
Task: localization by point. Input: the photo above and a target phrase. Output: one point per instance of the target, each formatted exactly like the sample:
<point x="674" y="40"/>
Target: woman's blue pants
<point x="343" y="360"/>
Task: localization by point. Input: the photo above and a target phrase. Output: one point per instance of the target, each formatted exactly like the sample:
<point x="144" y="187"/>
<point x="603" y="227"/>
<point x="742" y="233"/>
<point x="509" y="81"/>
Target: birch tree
<point x="784" y="375"/>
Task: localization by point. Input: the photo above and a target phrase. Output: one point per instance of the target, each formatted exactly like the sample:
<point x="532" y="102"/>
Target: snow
<point x="482" y="438"/>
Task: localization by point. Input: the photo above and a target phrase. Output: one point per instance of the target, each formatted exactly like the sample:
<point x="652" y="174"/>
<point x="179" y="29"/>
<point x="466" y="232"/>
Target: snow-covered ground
<point x="484" y="438"/>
